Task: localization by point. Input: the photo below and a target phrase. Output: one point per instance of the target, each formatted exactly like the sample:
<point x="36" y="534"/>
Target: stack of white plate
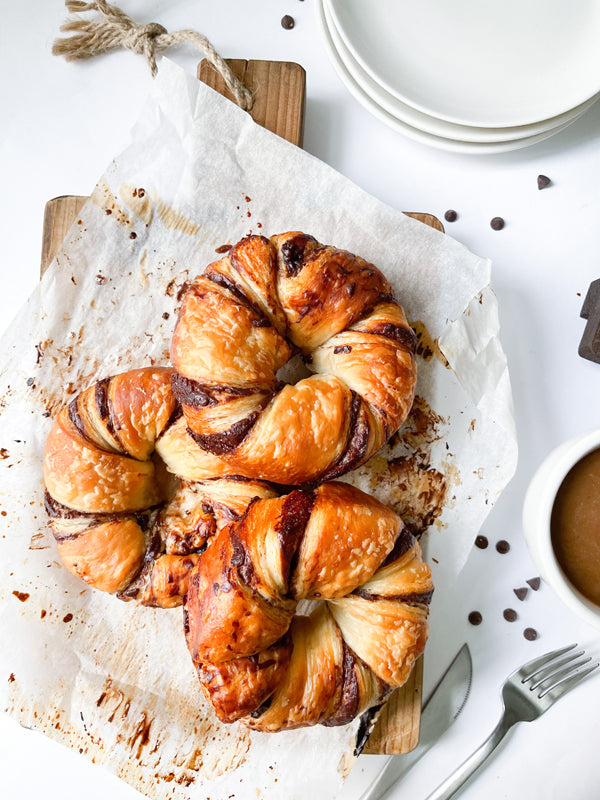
<point x="469" y="76"/>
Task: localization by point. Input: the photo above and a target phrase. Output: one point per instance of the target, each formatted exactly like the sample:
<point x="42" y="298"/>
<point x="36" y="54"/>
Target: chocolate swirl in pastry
<point x="121" y="523"/>
<point x="257" y="660"/>
<point x="245" y="317"/>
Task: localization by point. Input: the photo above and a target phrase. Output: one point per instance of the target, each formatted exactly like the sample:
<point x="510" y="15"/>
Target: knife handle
<point x="461" y="775"/>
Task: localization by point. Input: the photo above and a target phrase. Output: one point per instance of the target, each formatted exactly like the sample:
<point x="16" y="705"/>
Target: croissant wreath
<point x="121" y="522"/>
<point x="248" y="314"/>
<point x="259" y="662"/>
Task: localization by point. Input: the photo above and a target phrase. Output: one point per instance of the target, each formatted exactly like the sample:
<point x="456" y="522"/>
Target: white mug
<point x="537" y="512"/>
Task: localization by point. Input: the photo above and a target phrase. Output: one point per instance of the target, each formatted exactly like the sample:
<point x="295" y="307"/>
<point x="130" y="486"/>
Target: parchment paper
<point x="115" y="681"/>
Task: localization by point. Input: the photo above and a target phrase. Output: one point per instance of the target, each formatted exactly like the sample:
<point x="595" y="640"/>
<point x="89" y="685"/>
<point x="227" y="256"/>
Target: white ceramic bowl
<point x="537" y="511"/>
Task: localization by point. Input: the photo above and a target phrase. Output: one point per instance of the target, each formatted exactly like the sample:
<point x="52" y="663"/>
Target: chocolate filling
<point x="344" y="348"/>
<point x="199" y="395"/>
<point x="357" y="443"/>
<point x="350" y="698"/>
<point x="226" y="441"/>
<point x="177" y="414"/>
<point x="412" y="598"/>
<point x="399" y="333"/>
<point x="401" y="546"/>
<point x="231" y="286"/>
<point x="295" y="513"/>
<point x="104" y="406"/>
<point x="78" y="422"/>
<point x="292" y="253"/>
<point x="240" y="559"/>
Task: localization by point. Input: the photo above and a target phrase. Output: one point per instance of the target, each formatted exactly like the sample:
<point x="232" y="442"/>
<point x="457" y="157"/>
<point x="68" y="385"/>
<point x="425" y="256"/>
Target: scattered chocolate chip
<point x="107" y="211"/>
<point x="543" y="181"/>
<point x="502" y="546"/>
<point x="534" y="583"/>
<point x="100" y="279"/>
<point x="497" y="223"/>
<point x="46" y="414"/>
<point x="29" y="381"/>
<point x="165" y="315"/>
<point x="67" y="617"/>
<point x="287" y="22"/>
<point x="133" y="235"/>
<point x="451" y="215"/>
<point x="481" y="542"/>
<point x="521" y="592"/>
<point x="509" y="614"/>
<point x="530" y="634"/>
<point x="475" y="618"/>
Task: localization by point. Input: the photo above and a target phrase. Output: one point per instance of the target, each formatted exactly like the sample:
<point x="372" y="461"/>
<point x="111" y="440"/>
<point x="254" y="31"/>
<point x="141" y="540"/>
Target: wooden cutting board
<point x="279" y="92"/>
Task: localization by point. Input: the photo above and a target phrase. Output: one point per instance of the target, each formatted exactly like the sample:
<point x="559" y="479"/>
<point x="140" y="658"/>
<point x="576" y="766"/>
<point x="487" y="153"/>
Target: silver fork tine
<point x="552" y="665"/>
<point x="528" y="670"/>
<point x="555" y="674"/>
<point x="566" y="684"/>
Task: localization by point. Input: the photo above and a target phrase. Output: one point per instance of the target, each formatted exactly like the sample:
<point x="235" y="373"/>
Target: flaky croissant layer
<point x="121" y="522"/>
<point x="258" y="661"/>
<point x="241" y="321"/>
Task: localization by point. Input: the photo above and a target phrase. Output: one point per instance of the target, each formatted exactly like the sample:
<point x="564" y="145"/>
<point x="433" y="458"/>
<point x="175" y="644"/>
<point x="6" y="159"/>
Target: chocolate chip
<point x="133" y="235"/>
<point x="475" y="618"/>
<point x="67" y="617"/>
<point x="165" y="315"/>
<point x="497" y="223"/>
<point x="451" y="215"/>
<point x="543" y="181"/>
<point x="534" y="583"/>
<point x="29" y="381"/>
<point x="521" y="593"/>
<point x="530" y="634"/>
<point x="287" y="22"/>
<point x="509" y="614"/>
<point x="481" y="542"/>
<point x="502" y="546"/>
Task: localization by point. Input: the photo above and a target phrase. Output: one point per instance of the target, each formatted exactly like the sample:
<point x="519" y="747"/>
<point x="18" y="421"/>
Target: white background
<point x="60" y="125"/>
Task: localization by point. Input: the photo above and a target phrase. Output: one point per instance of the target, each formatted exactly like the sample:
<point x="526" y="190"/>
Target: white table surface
<point x="60" y="124"/>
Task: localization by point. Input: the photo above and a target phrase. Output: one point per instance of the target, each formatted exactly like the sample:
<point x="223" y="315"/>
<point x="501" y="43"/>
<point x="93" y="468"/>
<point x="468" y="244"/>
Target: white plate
<point x="478" y="62"/>
<point x="451" y="145"/>
<point x="434" y="125"/>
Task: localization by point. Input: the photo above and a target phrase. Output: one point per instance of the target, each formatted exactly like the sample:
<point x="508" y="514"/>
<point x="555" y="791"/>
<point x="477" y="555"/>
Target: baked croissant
<point x="120" y="523"/>
<point x="248" y="314"/>
<point x="260" y="663"/>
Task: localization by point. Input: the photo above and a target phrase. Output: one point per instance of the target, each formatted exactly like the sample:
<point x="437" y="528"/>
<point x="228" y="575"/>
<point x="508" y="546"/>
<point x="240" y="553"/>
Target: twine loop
<point x="114" y="29"/>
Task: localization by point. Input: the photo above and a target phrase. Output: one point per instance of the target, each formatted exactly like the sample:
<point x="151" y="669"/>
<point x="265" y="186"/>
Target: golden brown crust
<point x="122" y="523"/>
<point x="244" y="318"/>
<point x="334" y="543"/>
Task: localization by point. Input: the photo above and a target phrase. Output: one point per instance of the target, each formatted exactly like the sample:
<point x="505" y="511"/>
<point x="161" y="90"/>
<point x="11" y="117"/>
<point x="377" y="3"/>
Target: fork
<point x="526" y="694"/>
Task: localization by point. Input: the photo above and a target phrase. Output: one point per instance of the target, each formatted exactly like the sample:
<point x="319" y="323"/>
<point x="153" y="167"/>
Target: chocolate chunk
<point x="451" y="215"/>
<point x="287" y="22"/>
<point x="497" y="223"/>
<point x="509" y="614"/>
<point x="481" y="542"/>
<point x="342" y="348"/>
<point x="475" y="618"/>
<point x="589" y="347"/>
<point x="502" y="546"/>
<point x="521" y="592"/>
<point x="534" y="583"/>
<point x="530" y="634"/>
<point x="543" y="181"/>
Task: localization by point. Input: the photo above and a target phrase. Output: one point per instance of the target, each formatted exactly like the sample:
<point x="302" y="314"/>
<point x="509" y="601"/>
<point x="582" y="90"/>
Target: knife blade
<point x="441" y="708"/>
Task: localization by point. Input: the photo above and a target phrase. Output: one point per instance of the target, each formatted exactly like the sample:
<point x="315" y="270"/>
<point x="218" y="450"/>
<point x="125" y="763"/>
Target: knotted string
<point x="114" y="29"/>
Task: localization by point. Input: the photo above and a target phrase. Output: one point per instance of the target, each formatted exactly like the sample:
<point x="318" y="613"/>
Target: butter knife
<point x="441" y="708"/>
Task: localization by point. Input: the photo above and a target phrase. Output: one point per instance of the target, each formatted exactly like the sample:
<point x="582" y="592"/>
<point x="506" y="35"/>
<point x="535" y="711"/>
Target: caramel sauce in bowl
<point x="561" y="521"/>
